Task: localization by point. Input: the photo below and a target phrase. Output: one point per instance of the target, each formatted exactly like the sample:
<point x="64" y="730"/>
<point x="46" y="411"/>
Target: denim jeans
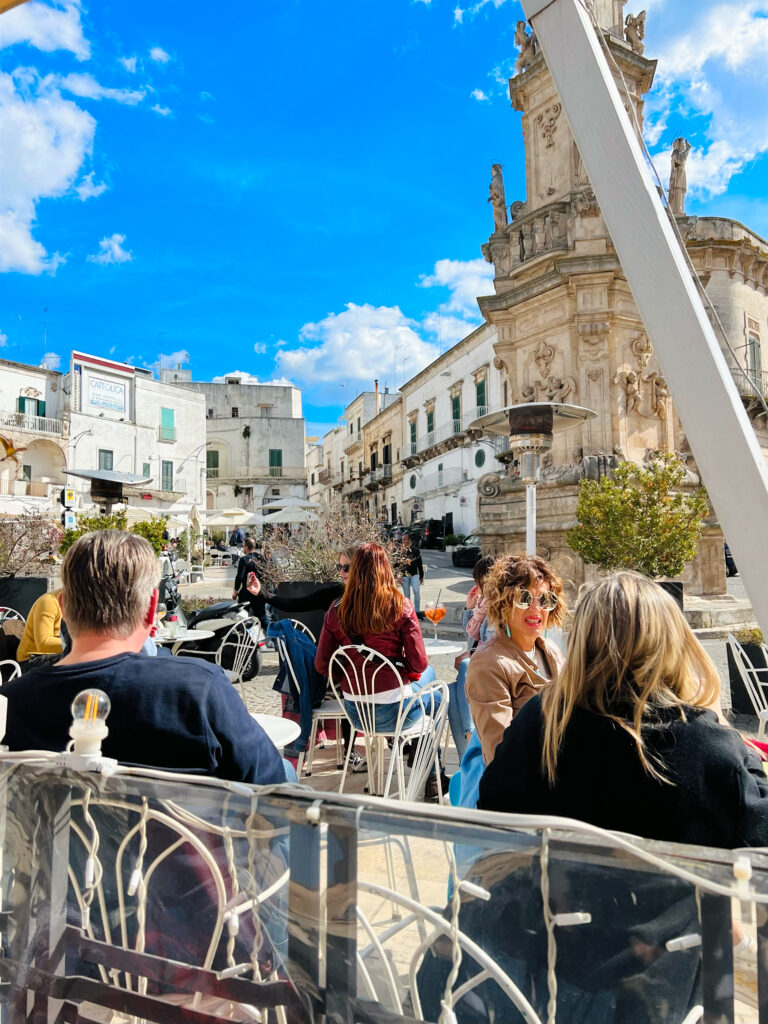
<point x="459" y="715"/>
<point x="412" y="588"/>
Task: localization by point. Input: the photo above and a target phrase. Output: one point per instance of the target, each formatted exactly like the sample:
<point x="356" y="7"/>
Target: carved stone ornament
<point x="642" y="350"/>
<point x="585" y="203"/>
<point x="500" y="365"/>
<point x="569" y="474"/>
<point x="547" y="121"/>
<point x="543" y="356"/>
<point x="634" y="32"/>
<point x="558" y="389"/>
<point x="678" y="181"/>
<point x="527" y="45"/>
<point x="659" y="394"/>
<point x="629" y="380"/>
<point x="497" y="199"/>
<point x="516" y="208"/>
<point x="489" y="485"/>
<point x="485" y="249"/>
<point x="31" y="393"/>
<point x="526" y="394"/>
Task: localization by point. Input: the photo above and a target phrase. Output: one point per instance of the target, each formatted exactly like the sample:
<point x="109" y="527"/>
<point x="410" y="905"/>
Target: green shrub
<point x="150" y="529"/>
<point x="452" y="540"/>
<point x="748" y="635"/>
<point x="639" y="518"/>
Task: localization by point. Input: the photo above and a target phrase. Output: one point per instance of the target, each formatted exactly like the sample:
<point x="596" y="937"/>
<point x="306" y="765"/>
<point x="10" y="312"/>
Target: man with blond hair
<point x="176" y="713"/>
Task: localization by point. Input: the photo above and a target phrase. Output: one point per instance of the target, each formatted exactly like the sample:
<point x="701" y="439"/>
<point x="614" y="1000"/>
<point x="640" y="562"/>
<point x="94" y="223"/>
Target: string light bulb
<point x="89" y="727"/>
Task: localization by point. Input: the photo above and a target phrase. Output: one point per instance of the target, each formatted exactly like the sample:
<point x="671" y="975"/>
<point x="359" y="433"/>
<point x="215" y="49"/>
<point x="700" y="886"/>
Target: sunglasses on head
<point x="343" y="568"/>
<point x="547" y="602"/>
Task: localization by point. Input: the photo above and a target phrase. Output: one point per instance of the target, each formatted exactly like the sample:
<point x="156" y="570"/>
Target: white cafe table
<point x="437" y="648"/>
<point x="183" y="636"/>
<point x="281" y="731"/>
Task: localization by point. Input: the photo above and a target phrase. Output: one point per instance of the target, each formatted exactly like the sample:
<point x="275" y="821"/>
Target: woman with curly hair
<point x="524" y="597"/>
<point x="628" y="737"/>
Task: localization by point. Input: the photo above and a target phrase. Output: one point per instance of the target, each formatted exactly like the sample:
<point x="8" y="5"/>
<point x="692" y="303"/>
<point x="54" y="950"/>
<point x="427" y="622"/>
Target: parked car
<point x="427" y="533"/>
<point x="395" y="532"/>
<point x="468" y="552"/>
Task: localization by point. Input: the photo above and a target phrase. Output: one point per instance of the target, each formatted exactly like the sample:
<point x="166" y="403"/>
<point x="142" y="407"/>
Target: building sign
<point x="106" y="394"/>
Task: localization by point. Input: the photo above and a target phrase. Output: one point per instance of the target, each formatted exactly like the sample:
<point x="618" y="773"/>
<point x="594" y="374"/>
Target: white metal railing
<point x="257" y="473"/>
<point x="750" y="381"/>
<point x="475" y="414"/>
<point x="28" y="488"/>
<point x="34" y="424"/>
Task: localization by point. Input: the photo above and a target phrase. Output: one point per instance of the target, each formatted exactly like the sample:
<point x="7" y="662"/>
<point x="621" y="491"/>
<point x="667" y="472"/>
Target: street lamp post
<point x="531" y="428"/>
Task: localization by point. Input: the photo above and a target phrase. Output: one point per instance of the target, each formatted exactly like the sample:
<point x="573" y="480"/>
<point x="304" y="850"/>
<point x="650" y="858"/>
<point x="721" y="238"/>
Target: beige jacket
<point x="500" y="679"/>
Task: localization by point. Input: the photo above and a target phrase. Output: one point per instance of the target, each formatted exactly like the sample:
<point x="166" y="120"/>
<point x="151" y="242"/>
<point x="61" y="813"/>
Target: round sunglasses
<point x="342" y="568"/>
<point x="547" y="602"/>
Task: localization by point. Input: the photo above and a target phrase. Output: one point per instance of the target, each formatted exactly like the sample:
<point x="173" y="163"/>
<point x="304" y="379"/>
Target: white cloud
<point x="206" y="96"/>
<point x="458" y="15"/>
<point x="112" y="349"/>
<point x="129" y="63"/>
<point x="111" y="251"/>
<point x="711" y="85"/>
<point x="159" y="55"/>
<point x="3" y="340"/>
<point x="249" y="378"/>
<point x="51" y="361"/>
<point x="260" y="348"/>
<point x="171" y="360"/>
<point x="89" y="189"/>
<point x="479" y="95"/>
<point x="47" y="27"/>
<point x="44" y="140"/>
<point x="465" y="280"/>
<point x="162" y="111"/>
<point x="357" y="344"/>
<point x="86" y="86"/>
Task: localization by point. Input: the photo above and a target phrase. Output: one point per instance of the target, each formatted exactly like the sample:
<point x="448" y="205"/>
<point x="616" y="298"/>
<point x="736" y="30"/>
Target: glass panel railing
<point x="172" y="898"/>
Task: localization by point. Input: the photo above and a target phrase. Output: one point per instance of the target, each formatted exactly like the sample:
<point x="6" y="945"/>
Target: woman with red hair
<point x="374" y="613"/>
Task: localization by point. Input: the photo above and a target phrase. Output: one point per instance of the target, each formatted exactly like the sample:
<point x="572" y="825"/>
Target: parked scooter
<point x="236" y="611"/>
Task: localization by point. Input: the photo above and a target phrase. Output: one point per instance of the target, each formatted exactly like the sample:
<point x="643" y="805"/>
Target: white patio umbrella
<point x="290" y="514"/>
<point x="227" y="517"/>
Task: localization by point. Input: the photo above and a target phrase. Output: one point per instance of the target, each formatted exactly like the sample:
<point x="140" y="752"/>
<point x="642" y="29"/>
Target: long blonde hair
<point x="630" y="652"/>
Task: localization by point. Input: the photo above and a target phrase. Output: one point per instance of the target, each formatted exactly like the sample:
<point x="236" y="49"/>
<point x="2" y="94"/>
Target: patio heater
<point x="531" y="428"/>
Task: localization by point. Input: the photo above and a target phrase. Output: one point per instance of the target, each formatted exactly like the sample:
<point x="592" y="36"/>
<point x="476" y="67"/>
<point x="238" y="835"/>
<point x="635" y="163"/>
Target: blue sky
<point x="297" y="188"/>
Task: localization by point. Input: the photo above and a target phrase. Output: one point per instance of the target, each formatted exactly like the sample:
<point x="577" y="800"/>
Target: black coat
<point x="719" y="795"/>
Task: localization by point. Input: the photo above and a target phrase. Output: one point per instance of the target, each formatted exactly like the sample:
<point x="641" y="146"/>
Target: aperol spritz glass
<point x="435" y="612"/>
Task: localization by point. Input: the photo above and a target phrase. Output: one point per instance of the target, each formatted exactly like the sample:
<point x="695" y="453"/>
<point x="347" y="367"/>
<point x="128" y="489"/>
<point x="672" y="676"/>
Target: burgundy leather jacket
<point x="402" y="644"/>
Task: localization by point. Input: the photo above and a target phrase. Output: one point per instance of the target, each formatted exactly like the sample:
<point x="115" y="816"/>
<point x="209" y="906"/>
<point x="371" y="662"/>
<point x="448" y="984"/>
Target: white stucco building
<point x="255" y="442"/>
<point x="441" y="463"/>
<point x="121" y="418"/>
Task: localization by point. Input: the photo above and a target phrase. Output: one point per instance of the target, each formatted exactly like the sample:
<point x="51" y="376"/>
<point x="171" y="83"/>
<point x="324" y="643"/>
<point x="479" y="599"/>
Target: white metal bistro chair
<point x="238" y="647"/>
<point x="353" y="673"/>
<point x="9" y="669"/>
<point x="329" y="709"/>
<point x="753" y="683"/>
<point x="10" y="614"/>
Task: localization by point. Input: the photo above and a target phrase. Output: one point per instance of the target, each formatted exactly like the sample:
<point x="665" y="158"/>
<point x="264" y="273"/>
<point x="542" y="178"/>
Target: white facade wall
<point x="116" y="418"/>
<point x="31" y="402"/>
<point x="443" y="476"/>
<point x="315" y="490"/>
<point x="256" y="443"/>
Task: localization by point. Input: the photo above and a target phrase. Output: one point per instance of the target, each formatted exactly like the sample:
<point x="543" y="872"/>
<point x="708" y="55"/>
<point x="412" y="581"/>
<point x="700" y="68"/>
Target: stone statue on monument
<point x="497" y="198"/>
<point x="678" y="182"/>
<point x="527" y="44"/>
<point x="634" y="32"/>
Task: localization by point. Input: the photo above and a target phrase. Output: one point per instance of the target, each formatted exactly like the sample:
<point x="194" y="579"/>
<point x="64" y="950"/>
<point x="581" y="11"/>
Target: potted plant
<point x="750" y="638"/>
<point x="640" y="518"/>
<point x="451" y="542"/>
<point x="300" y="561"/>
<point x="27" y="559"/>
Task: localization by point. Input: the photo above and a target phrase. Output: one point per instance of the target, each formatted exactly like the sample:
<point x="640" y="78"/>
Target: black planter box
<point x="675" y="589"/>
<point x="740" y="701"/>
<point x="302" y="588"/>
<point x="21" y="592"/>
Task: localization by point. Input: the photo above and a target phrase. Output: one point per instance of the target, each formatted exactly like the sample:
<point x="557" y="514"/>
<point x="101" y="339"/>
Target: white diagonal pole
<point x="721" y="436"/>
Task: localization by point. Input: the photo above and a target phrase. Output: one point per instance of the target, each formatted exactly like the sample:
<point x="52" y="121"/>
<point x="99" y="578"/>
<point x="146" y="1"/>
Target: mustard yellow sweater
<point x="41" y="633"/>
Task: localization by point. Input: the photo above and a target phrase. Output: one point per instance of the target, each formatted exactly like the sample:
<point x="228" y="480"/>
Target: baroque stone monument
<point x="568" y="328"/>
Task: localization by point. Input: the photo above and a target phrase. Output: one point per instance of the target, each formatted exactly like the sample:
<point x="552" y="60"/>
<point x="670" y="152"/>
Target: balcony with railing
<point x="33" y="424"/>
<point x="379" y="477"/>
<point x="256" y="473"/>
<point x="353" y="487"/>
<point x="750" y="383"/>
<point x="166" y="433"/>
<point x="324" y="477"/>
